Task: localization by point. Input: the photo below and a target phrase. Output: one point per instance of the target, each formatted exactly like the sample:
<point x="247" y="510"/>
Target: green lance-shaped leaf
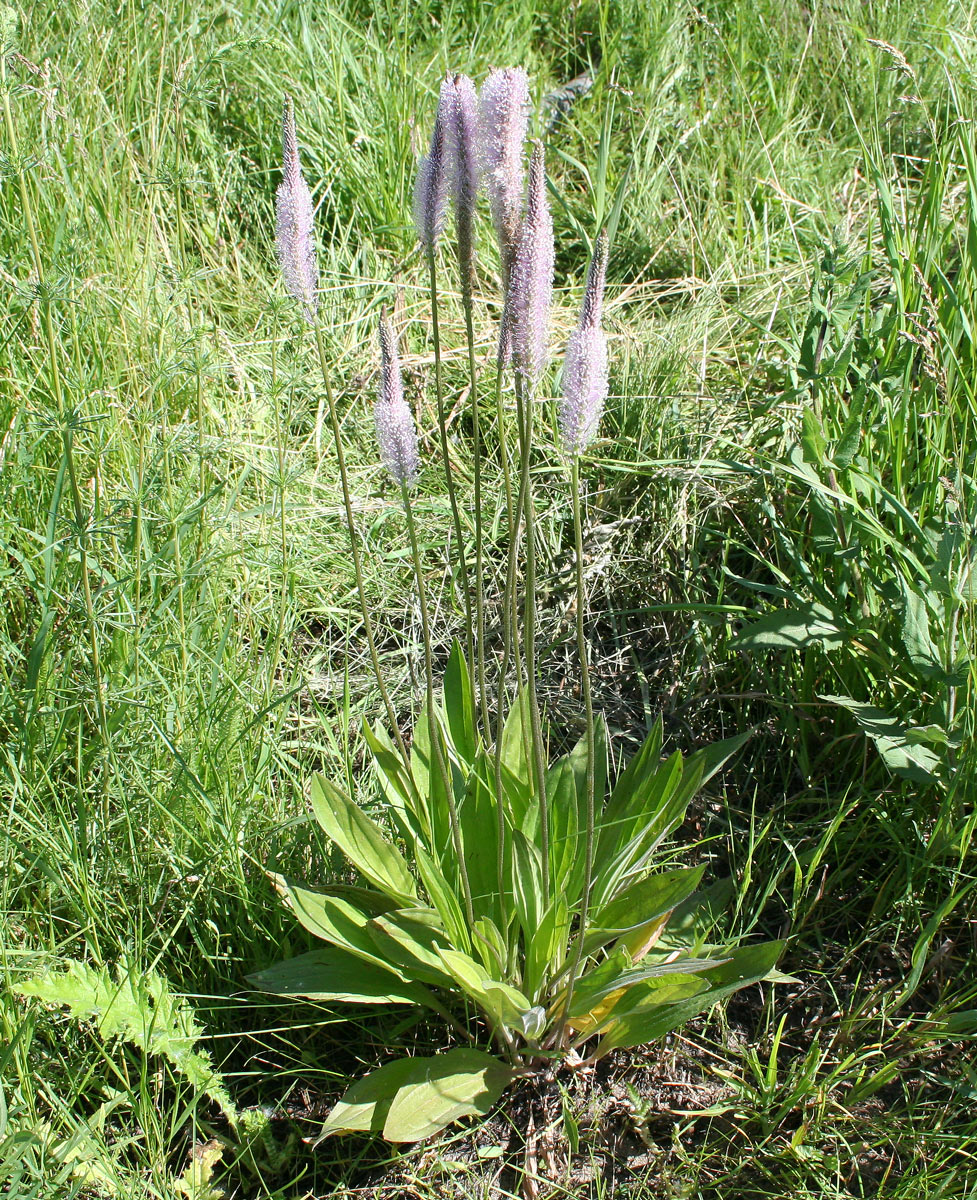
<point x="745" y="966"/>
<point x="657" y="992"/>
<point x="634" y="826"/>
<point x="331" y="973"/>
<point x="547" y="946"/>
<point x="407" y="808"/>
<point x="504" y="1004"/>
<point x="478" y="818"/>
<point x="458" y="710"/>
<point x="415" y="1098"/>
<point x="362" y="841"/>
<point x="640" y="905"/>
<point x="443" y="897"/>
<point x="334" y="920"/>
<point x="566" y="859"/>
<point x="410" y="941"/>
<point x="616" y="974"/>
<point x="517" y="758"/>
<point x="527" y="882"/>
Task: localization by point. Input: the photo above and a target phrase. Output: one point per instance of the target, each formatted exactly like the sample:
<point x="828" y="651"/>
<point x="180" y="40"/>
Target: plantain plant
<point x="521" y="901"/>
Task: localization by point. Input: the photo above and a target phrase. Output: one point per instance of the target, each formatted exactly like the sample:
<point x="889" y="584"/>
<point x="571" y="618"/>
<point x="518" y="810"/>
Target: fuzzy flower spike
<point x="585" y="365"/>
<point x="396" y="431"/>
<point x="431" y="184"/>
<point x="531" y="291"/>
<point x="463" y="165"/>
<point x="294" y="242"/>
<point x="503" y="125"/>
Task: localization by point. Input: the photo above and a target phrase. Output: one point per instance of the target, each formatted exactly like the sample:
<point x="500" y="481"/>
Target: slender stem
<point x="448" y="475"/>
<point x="589" y="732"/>
<point x="466" y="296"/>
<point x="510" y="642"/>
<point x="355" y="548"/>
<point x="282" y="523"/>
<point x="524" y="400"/>
<point x="435" y="732"/>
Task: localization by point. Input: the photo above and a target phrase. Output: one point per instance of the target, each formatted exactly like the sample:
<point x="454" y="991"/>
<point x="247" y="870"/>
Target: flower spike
<point x="396" y="431"/>
<point x="531" y="291"/>
<point x="294" y="243"/>
<point x="585" y="364"/>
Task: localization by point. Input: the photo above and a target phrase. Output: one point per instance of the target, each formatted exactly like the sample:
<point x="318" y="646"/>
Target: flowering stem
<point x="435" y="732"/>
<point x="354" y="546"/>
<point x="443" y="431"/>
<point x="514" y="516"/>
<point x="524" y="403"/>
<point x="510" y="624"/>
<point x="282" y="524"/>
<point x="588" y="732"/>
<point x="466" y="296"/>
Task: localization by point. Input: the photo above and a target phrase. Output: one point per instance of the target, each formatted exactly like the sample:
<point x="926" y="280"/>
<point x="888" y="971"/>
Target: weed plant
<point x="529" y="897"/>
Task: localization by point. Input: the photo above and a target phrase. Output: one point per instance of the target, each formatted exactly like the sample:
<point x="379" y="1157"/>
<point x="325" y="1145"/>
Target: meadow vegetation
<point x="780" y="513"/>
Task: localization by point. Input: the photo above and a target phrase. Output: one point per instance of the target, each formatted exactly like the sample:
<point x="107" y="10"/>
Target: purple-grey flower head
<point x="294" y="242"/>
<point x="531" y="286"/>
<point x="462" y="131"/>
<point x="585" y="364"/>
<point x="431" y="184"/>
<point x="396" y="431"/>
<point x="504" y="122"/>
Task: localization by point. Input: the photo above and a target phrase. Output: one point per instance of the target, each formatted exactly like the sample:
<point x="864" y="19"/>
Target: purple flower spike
<point x="294" y="242"/>
<point x="585" y="365"/>
<point x="504" y="122"/>
<point x="463" y="158"/>
<point x="531" y="291"/>
<point x="431" y="185"/>
<point x="396" y="431"/>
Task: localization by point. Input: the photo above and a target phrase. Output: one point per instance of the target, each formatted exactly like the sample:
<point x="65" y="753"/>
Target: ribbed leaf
<point x="333" y="919"/>
<point x="527" y="882"/>
<point x="411" y="945"/>
<point x="334" y="974"/>
<point x="361" y="840"/>
<point x="458" y="709"/>
<point x="505" y="1004"/>
<point x="640" y="904"/>
<point x="746" y="966"/>
<point x="461" y="1083"/>
<point x="612" y="975"/>
<point x="443" y="898"/>
<point x="407" y="808"/>
<point x="364" y="1107"/>
<point x="478" y="818"/>
<point x="650" y="993"/>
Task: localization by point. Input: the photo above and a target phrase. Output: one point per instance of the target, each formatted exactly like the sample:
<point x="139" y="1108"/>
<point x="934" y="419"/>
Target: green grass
<point x="167" y="443"/>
